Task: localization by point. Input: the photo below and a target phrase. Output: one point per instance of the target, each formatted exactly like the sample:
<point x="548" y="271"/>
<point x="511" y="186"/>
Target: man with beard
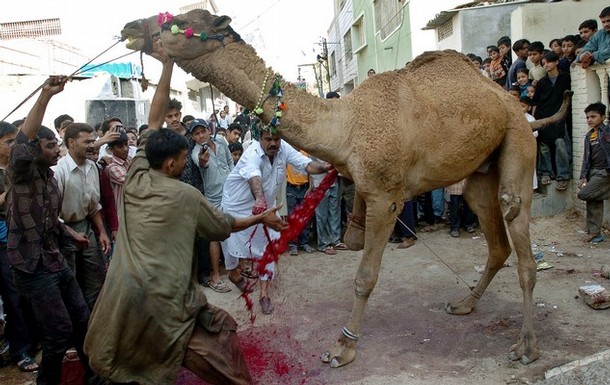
<point x="79" y="188"/>
<point x="254" y="183"/>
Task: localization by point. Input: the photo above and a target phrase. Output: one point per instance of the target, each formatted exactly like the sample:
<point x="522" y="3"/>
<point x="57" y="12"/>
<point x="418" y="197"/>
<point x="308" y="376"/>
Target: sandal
<point x="329" y="250"/>
<point x="241" y="284"/>
<point x="266" y="305"/>
<point x="219" y="287"/>
<point x="341" y="246"/>
<point x="71" y="355"/>
<point x="27" y="364"/>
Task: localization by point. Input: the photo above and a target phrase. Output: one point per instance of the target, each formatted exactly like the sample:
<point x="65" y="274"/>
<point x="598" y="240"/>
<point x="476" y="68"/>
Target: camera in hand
<point x="204" y="147"/>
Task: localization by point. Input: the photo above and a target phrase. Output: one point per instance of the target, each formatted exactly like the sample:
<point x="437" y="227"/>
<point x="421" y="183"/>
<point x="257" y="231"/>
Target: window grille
<point x="30" y="29"/>
<point x="445" y="30"/>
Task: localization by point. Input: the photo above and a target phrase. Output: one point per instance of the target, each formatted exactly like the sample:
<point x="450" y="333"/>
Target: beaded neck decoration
<point x="164" y="20"/>
<point x="276" y="92"/>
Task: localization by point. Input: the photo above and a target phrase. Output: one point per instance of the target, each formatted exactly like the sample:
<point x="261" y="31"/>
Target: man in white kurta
<point x="250" y="187"/>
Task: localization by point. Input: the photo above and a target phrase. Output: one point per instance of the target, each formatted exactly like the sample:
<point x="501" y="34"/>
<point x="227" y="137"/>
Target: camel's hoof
<point x="325" y="357"/>
<point x="513" y="356"/>
<point x="525" y="360"/>
<point x="458" y="309"/>
<point x="334" y="363"/>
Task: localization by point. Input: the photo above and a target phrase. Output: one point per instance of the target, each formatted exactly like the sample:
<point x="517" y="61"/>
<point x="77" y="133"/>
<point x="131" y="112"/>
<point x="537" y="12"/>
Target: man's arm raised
<point x="52" y="86"/>
<point x="160" y="101"/>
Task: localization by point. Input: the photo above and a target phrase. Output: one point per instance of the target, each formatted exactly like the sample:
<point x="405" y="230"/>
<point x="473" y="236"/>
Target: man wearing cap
<point x="213" y="158"/>
<point x="79" y="188"/>
<point x="117" y="169"/>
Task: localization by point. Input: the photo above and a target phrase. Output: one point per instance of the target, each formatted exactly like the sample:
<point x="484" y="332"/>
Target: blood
<point x="297" y="220"/>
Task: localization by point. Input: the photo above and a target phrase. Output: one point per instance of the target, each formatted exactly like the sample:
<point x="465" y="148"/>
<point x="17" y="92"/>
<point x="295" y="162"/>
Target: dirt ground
<point x="407" y="338"/>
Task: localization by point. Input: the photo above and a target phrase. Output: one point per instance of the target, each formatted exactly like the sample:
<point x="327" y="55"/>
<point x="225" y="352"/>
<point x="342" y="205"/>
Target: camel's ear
<point x="222" y="22"/>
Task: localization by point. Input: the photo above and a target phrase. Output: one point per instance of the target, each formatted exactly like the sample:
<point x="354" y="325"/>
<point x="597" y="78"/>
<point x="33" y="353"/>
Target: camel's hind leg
<point x="380" y="218"/>
<point x="481" y="194"/>
<point x="516" y="168"/>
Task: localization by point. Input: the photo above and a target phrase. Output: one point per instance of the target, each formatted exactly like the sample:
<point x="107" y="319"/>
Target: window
<point x="445" y="30"/>
<point x="33" y="28"/>
<point x="347" y="44"/>
<point x="359" y="34"/>
<point x="388" y="16"/>
<point x="332" y="62"/>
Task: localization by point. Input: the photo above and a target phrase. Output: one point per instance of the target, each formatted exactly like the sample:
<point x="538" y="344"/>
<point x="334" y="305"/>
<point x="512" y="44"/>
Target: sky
<point x="284" y="32"/>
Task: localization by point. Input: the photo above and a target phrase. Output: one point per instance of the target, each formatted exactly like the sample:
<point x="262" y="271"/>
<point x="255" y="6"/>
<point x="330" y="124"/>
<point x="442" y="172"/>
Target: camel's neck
<point x="308" y="122"/>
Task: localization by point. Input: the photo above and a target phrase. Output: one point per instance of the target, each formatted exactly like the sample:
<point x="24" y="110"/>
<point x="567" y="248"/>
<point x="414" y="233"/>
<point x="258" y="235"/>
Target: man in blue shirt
<point x="597" y="49"/>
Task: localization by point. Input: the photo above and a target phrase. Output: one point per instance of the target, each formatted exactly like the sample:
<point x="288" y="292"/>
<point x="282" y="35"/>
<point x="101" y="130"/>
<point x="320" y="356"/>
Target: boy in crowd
<point x="597" y="49"/>
<point x="504" y="47"/>
<point x="568" y="47"/>
<point x="236" y="151"/>
<point x="234" y="133"/>
<point x="497" y="70"/>
<point x="520" y="47"/>
<point x="594" y="177"/>
<point x="552" y="139"/>
<point x="117" y="169"/>
<point x="535" y="51"/>
<point x="587" y="28"/>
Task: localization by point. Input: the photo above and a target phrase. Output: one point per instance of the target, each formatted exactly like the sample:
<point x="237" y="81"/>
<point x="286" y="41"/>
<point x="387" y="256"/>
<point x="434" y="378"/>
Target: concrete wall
<point x="547" y="21"/>
<point x="483" y="26"/>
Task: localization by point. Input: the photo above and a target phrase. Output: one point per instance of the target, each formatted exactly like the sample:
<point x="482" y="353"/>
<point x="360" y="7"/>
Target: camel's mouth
<point x="132" y="32"/>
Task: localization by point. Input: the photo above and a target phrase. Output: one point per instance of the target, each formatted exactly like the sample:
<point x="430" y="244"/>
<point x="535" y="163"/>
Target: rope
<point x="438" y="256"/>
<point x="70" y="76"/>
<point x="106" y="62"/>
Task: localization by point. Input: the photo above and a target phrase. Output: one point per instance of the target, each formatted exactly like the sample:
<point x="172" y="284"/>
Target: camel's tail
<point x="558" y="116"/>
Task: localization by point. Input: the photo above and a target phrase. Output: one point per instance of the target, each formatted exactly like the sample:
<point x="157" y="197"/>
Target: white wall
<point x="454" y="41"/>
<point x="547" y="21"/>
<point x="421" y="12"/>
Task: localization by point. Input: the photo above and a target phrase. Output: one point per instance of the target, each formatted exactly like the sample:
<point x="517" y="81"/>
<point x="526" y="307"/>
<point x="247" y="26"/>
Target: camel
<point x="397" y="135"/>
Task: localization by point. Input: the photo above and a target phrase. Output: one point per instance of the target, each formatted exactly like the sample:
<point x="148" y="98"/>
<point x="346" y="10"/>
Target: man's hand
<point x="54" y="85"/>
<point x="582" y="183"/>
<point x="80" y="240"/>
<point x="260" y="205"/>
<point x="113" y="236"/>
<point x="586" y="59"/>
<point x="109" y="137"/>
<point x="104" y="243"/>
<point x="270" y="219"/>
<point x="159" y="53"/>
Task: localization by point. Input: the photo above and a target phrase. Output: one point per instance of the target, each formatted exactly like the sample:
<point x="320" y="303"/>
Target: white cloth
<point x="530" y="119"/>
<point x="105" y="152"/>
<point x="79" y="187"/>
<point x="237" y="199"/>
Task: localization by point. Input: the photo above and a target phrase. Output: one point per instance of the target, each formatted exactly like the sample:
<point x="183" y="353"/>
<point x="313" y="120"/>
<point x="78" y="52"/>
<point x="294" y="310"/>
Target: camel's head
<point x="185" y="36"/>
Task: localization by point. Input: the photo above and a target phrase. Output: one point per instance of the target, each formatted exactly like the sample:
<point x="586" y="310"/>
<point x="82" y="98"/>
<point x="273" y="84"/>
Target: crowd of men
<point x="99" y="229"/>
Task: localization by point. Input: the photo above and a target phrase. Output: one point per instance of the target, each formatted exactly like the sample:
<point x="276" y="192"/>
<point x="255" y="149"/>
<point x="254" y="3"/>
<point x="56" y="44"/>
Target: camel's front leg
<point x="380" y="219"/>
